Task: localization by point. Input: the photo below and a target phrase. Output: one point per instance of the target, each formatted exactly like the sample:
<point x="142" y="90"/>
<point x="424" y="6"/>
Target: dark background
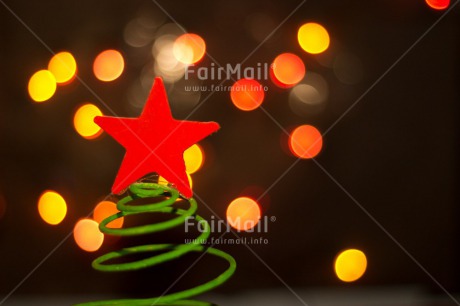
<point x="395" y="152"/>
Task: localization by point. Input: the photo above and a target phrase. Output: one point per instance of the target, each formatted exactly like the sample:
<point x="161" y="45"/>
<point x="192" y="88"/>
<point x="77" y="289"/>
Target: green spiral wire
<point x="168" y="251"/>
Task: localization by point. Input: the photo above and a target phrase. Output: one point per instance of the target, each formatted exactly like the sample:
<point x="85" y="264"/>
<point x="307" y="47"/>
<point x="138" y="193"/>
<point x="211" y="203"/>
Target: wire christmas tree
<point x="155" y="143"/>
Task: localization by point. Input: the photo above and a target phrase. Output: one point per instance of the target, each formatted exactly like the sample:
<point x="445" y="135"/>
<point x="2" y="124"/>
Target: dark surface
<point x="395" y="152"/>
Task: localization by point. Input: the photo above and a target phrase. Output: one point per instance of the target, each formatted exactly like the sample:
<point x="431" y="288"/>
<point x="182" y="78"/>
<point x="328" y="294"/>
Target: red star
<point x="154" y="142"/>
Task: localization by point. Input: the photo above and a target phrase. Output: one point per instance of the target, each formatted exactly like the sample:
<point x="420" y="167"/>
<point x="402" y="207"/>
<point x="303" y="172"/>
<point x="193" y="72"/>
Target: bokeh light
<point x="305" y="141"/>
<point x="247" y="94"/>
<point x="166" y="65"/>
<point x="52" y="207"/>
<point x="243" y="213"/>
<point x="313" y="38"/>
<point x="189" y="48"/>
<point x="42" y="86"/>
<point x="190" y="180"/>
<point x="87" y="235"/>
<point x="308" y="97"/>
<point x="141" y="31"/>
<point x="63" y="66"/>
<point x="350" y="265"/>
<point x="108" y="65"/>
<point x="83" y="121"/>
<point x="105" y="209"/>
<point x="163" y="181"/>
<point x="193" y="158"/>
<point x="438" y="4"/>
<point x="262" y="26"/>
<point x="287" y="70"/>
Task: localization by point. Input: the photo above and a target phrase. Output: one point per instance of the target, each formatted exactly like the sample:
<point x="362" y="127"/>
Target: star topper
<point x="154" y="142"/>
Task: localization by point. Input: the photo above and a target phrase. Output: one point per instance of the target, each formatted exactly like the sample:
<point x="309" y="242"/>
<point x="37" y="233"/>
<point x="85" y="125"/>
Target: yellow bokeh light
<point x="42" y="86"/>
<point x="52" y="207"/>
<point x="163" y="181"/>
<point x="108" y="65"/>
<point x="305" y="141"/>
<point x="63" y="66"/>
<point x="350" y="265"/>
<point x="83" y="121"/>
<point x="190" y="180"/>
<point x="106" y="209"/>
<point x="87" y="235"/>
<point x="193" y="158"/>
<point x="189" y="48"/>
<point x="243" y="213"/>
<point x="313" y="38"/>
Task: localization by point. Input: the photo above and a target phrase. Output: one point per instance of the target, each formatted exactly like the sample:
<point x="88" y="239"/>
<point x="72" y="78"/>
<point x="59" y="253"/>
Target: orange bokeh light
<point x="243" y="213"/>
<point x="189" y="48"/>
<point x="247" y="94"/>
<point x="87" y="235"/>
<point x="108" y="65"/>
<point x="287" y="70"/>
<point x="438" y="4"/>
<point x="106" y="209"/>
<point x="305" y="141"/>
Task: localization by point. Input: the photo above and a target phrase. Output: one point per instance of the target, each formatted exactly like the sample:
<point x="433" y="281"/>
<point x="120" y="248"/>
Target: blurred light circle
<point x="313" y="38"/>
<point x="243" y="213"/>
<point x="190" y="181"/>
<point x="163" y="181"/>
<point x="136" y="35"/>
<point x="166" y="65"/>
<point x="161" y="42"/>
<point x="438" y="4"/>
<point x="260" y="26"/>
<point x="137" y="94"/>
<point x="83" y="121"/>
<point x="304" y="97"/>
<point x="52" y="207"/>
<point x="193" y="158"/>
<point x="42" y="86"/>
<point x="247" y="94"/>
<point x="87" y="235"/>
<point x="309" y="97"/>
<point x="105" y="209"/>
<point x="348" y="68"/>
<point x="108" y="65"/>
<point x="169" y="29"/>
<point x="305" y="141"/>
<point x="287" y="70"/>
<point x="147" y="77"/>
<point x="63" y="66"/>
<point x="350" y="265"/>
<point x="189" y="48"/>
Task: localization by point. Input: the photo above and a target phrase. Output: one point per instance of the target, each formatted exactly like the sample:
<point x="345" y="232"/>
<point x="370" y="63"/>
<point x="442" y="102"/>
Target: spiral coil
<point x="148" y="190"/>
